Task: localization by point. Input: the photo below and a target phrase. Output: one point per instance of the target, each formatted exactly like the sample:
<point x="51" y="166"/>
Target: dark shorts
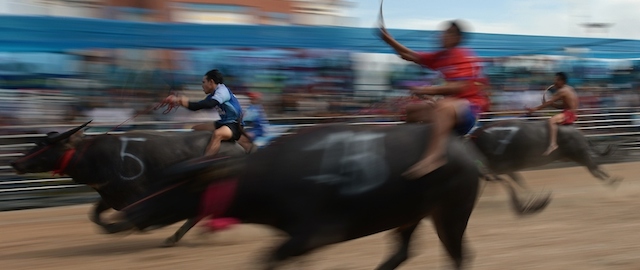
<point x="235" y="130"/>
<point x="467" y="119"/>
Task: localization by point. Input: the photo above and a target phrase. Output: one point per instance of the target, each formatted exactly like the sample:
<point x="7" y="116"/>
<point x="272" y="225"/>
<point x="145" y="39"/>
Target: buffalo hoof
<point x="170" y="241"/>
<point x="118" y="227"/>
<point x="535" y="203"/>
<point x="614" y="181"/>
<point x="270" y="265"/>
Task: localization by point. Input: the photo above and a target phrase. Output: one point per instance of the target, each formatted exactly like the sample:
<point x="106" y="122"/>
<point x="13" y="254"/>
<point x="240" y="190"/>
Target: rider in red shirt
<point x="463" y="91"/>
<point x="459" y="64"/>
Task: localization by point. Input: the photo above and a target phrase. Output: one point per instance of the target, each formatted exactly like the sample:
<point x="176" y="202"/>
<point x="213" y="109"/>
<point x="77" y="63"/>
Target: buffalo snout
<point x="16" y="168"/>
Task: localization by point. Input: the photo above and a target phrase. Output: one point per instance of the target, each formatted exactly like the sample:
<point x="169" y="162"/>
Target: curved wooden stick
<point x="380" y="17"/>
<point x="544" y="98"/>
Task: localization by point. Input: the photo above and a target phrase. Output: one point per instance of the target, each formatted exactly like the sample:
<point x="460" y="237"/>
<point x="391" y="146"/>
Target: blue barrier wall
<point x="57" y="34"/>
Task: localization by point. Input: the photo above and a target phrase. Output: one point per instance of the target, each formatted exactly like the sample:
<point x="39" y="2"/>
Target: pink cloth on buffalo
<point x="215" y="202"/>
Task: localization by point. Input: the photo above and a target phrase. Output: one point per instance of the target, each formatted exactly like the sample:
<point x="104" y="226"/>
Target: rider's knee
<point x="218" y="136"/>
<point x="446" y="107"/>
<point x="223" y="134"/>
<point x="556" y="120"/>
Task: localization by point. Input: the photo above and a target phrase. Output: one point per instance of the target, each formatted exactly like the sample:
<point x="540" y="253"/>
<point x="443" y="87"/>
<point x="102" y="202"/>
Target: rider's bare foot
<point x="424" y="167"/>
<point x="550" y="149"/>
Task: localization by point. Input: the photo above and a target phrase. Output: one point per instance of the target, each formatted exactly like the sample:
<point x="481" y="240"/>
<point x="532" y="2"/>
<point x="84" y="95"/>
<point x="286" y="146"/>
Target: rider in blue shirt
<point x="229" y="127"/>
<point x="255" y="118"/>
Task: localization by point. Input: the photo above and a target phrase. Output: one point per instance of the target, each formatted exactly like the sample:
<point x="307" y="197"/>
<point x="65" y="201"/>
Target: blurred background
<point x="63" y="62"/>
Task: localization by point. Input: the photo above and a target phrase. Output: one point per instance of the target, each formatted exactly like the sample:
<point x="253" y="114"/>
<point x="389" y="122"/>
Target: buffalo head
<point x="46" y="155"/>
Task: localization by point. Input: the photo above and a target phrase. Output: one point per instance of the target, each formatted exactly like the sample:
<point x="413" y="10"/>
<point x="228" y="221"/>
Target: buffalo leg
<point x="172" y="240"/>
<point x="98" y="208"/>
<point x="295" y="246"/>
<point x="450" y="224"/>
<point x="402" y="254"/>
<point x="118" y="227"/>
<point x="111" y="228"/>
<point x="584" y="159"/>
<point x="533" y="204"/>
<point x="300" y="243"/>
<point x="517" y="178"/>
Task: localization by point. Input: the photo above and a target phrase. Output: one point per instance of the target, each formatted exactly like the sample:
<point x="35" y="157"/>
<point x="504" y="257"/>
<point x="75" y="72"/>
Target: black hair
<point x="457" y="26"/>
<point x="562" y="76"/>
<point x="215" y="75"/>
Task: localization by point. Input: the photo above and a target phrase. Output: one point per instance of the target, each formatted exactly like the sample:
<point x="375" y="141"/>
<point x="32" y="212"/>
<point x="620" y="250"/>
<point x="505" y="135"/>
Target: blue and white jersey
<point x="229" y="109"/>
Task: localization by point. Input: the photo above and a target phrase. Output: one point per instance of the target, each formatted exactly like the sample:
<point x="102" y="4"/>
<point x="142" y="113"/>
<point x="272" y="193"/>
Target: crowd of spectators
<point x="295" y="83"/>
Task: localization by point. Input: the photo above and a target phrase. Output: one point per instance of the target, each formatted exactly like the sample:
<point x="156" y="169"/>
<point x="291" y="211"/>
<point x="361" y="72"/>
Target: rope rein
<point x="171" y="106"/>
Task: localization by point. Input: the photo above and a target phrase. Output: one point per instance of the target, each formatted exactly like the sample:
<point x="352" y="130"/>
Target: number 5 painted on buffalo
<point x="124" y="154"/>
<point x="353" y="161"/>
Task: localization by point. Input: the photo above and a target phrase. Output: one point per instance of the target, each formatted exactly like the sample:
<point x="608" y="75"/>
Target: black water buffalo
<point x="322" y="186"/>
<point x="509" y="146"/>
<point x="334" y="183"/>
<point x="122" y="168"/>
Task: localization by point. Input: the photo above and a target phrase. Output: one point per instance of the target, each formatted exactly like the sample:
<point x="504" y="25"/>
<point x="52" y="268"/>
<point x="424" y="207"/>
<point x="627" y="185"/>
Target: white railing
<point x="11" y="186"/>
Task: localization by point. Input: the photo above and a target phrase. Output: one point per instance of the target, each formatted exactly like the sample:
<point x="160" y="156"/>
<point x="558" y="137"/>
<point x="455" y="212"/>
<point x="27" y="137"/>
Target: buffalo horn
<point x="59" y="137"/>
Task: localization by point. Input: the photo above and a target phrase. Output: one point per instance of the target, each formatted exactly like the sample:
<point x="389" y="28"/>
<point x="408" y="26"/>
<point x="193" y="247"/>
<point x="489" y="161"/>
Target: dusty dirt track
<point x="586" y="226"/>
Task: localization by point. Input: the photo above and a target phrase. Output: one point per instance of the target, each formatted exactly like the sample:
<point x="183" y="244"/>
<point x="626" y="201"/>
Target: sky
<point x="527" y="17"/>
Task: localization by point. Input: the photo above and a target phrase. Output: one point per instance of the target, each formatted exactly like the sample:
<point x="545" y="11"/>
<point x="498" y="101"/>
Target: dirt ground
<point x="586" y="226"/>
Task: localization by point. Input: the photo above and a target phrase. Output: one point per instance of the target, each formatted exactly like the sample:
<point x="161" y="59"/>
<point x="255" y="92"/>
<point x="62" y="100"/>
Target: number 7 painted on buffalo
<point x="507" y="140"/>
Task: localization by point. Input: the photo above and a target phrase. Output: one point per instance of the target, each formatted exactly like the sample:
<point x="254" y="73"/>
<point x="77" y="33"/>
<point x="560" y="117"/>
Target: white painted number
<point x="353" y="161"/>
<point x="506" y="140"/>
<point x="124" y="154"/>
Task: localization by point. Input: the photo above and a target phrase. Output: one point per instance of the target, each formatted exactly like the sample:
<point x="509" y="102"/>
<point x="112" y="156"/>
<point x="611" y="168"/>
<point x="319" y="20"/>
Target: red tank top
<point x="459" y="64"/>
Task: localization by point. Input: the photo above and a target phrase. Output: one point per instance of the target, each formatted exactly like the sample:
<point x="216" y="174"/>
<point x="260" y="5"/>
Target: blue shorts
<point x="467" y="119"/>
